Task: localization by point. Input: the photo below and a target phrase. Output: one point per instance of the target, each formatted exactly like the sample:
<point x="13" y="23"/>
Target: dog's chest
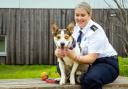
<point x="68" y="61"/>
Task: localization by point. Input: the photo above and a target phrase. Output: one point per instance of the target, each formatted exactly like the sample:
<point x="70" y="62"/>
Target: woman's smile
<point x="81" y="17"/>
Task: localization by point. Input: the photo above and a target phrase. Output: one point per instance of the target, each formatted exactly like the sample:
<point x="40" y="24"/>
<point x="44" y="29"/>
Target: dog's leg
<point x="72" y="75"/>
<point x="62" y="70"/>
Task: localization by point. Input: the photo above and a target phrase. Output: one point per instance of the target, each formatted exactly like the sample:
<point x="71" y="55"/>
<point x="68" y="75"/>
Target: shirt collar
<point x="86" y="28"/>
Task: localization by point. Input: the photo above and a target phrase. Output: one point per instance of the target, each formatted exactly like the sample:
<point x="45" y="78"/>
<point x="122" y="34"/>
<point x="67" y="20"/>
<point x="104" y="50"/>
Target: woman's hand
<point x="70" y="53"/>
<point x="87" y="59"/>
<point x="60" y="53"/>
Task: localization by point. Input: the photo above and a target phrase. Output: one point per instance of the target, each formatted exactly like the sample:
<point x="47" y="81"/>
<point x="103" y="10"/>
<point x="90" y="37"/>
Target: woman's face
<point x="81" y="17"/>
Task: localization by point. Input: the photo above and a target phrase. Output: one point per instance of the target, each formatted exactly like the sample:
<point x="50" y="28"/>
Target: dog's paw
<point x="62" y="82"/>
<point x="72" y="80"/>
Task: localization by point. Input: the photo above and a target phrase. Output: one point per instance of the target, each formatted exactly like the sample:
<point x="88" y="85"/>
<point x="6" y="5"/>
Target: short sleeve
<point x="97" y="42"/>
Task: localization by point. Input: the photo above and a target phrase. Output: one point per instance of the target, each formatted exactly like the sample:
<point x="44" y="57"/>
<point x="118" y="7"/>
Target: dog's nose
<point x="62" y="44"/>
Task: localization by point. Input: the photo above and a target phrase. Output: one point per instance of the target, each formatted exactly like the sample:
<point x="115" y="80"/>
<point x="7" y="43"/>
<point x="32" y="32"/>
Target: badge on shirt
<point x="94" y="28"/>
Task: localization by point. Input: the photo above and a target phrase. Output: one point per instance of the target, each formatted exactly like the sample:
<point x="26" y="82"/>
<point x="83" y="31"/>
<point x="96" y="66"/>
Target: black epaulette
<point x="94" y="28"/>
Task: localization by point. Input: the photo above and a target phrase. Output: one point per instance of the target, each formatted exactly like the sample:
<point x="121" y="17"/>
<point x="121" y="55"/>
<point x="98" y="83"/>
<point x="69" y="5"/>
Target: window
<point x="3" y="45"/>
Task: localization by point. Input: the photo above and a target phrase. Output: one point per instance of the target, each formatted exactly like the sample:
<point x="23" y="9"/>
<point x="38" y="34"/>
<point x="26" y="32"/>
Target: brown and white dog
<point x="63" y="39"/>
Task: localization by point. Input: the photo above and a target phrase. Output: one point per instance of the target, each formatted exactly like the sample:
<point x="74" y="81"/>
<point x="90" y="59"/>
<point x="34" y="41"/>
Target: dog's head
<point x="62" y="37"/>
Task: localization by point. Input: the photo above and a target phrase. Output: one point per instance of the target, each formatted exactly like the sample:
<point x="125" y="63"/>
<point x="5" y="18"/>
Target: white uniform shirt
<point x="94" y="40"/>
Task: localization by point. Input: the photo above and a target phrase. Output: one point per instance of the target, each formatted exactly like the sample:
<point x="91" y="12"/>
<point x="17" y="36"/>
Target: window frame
<point x="4" y="53"/>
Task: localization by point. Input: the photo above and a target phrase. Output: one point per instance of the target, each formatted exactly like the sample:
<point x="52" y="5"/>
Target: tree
<point x="122" y="16"/>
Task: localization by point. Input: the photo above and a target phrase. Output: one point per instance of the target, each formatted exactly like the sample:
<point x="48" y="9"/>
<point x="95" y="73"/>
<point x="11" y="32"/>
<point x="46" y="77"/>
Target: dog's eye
<point x="58" y="37"/>
<point x="66" y="37"/>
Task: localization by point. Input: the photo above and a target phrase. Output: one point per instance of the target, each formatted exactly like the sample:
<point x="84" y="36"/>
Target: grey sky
<point x="53" y="3"/>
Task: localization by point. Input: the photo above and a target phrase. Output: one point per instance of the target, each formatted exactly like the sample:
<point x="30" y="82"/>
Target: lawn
<point x="26" y="71"/>
<point x="34" y="71"/>
<point x="123" y="65"/>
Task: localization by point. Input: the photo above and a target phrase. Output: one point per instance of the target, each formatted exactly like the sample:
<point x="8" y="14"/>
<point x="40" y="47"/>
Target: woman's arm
<point x="85" y="59"/>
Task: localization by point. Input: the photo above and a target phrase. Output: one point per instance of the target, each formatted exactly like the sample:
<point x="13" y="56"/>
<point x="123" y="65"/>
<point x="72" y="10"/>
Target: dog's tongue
<point x="62" y="50"/>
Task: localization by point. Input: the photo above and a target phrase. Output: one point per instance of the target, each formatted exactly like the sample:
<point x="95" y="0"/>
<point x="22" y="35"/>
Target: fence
<point x="29" y="39"/>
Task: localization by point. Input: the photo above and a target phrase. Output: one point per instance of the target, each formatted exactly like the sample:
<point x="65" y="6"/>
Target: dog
<point x="63" y="39"/>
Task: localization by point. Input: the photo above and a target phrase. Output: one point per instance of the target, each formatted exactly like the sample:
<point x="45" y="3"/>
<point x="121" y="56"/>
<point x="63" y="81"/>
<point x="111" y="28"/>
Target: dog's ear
<point x="70" y="27"/>
<point x="54" y="28"/>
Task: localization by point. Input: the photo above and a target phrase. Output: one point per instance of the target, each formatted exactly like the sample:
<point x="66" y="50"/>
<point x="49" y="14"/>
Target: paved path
<point x="120" y="83"/>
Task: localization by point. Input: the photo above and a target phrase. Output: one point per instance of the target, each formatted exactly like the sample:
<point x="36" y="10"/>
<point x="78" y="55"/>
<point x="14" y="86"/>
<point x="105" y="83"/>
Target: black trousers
<point x="103" y="71"/>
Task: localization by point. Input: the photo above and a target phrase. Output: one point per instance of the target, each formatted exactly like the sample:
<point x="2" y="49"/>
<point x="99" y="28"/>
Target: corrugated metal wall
<point x="29" y="39"/>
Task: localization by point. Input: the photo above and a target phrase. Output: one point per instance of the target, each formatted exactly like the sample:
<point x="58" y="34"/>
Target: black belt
<point x="113" y="56"/>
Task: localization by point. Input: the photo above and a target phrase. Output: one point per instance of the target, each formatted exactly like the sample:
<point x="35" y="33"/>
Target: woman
<point x="95" y="49"/>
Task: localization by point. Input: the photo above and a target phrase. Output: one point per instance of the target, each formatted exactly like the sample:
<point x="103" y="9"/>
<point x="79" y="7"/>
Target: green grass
<point x="34" y="71"/>
<point x="123" y="65"/>
<point x="26" y="71"/>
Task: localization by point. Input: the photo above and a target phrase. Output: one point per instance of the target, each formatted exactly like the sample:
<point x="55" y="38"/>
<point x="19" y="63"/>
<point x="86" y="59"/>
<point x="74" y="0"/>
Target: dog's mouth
<point x="62" y="48"/>
<point x="62" y="45"/>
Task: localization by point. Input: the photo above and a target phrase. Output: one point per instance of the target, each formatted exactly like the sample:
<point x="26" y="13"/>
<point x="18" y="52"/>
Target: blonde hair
<point x="85" y="6"/>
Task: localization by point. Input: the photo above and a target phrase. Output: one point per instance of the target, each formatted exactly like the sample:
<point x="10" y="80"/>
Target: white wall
<point x="53" y="3"/>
